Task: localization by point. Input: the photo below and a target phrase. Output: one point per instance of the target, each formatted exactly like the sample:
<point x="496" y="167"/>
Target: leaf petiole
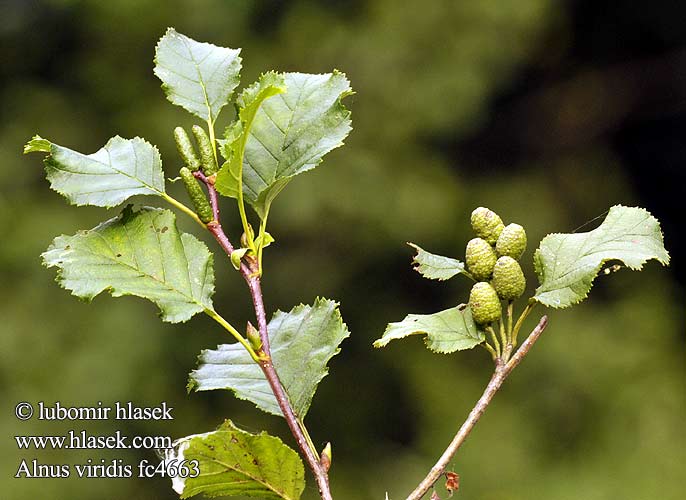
<point x="213" y="140"/>
<point x="310" y="443"/>
<point x="188" y="211"/>
<point x="262" y="238"/>
<point x="229" y="328"/>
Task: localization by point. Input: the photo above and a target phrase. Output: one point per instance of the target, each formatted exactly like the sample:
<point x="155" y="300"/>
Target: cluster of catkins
<point x="492" y="261"/>
<point x="206" y="161"/>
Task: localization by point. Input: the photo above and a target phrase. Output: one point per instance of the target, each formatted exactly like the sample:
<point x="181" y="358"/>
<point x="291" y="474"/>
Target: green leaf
<point x="233" y="462"/>
<point x="120" y="169"/>
<point x="137" y="253"/>
<point x="289" y="134"/>
<point x="302" y="343"/>
<point x="230" y="177"/>
<point x="446" y="331"/>
<point x="264" y="240"/>
<point x="567" y="264"/>
<point x="199" y="77"/>
<point x="436" y="267"/>
<point x="236" y="257"/>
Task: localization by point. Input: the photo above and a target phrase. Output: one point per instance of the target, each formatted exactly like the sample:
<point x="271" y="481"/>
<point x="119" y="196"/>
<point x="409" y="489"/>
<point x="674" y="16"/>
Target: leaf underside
<point x="199" y="77"/>
<point x="302" y="343"/>
<point x="122" y="168"/>
<point x="436" y="267"/>
<point x="288" y="134"/>
<point x="233" y="462"/>
<point x="567" y="264"/>
<point x="446" y="331"/>
<point x="139" y="253"/>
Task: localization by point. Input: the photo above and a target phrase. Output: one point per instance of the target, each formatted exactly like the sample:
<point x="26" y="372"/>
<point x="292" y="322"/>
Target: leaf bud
<point x="186" y="149"/>
<point x="511" y="242"/>
<point x="508" y="278"/>
<point x="326" y="457"/>
<point x="197" y="195"/>
<point x="207" y="159"/>
<point x="480" y="258"/>
<point x="253" y="337"/>
<point x="487" y="224"/>
<point x="484" y="303"/>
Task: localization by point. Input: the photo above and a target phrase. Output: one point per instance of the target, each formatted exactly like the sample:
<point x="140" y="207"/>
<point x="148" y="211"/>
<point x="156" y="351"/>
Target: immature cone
<point x="209" y="164"/>
<point x="480" y="258"/>
<point x="508" y="279"/>
<point x="484" y="303"/>
<point x="487" y="224"/>
<point x="511" y="242"/>
<point x="186" y="150"/>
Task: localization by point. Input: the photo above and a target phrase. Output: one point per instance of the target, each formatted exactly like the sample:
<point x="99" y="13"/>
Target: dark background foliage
<point x="547" y="112"/>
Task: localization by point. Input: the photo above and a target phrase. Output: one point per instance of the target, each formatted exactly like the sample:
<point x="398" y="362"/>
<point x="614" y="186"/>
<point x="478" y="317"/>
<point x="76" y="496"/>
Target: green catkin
<point x="197" y="195"/>
<point x="209" y="164"/>
<point x="186" y="150"/>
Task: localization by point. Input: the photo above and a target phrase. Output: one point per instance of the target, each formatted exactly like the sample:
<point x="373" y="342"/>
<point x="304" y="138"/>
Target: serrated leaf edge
<point x="597" y="269"/>
<point x="59" y="279"/>
<point x="32" y="146"/>
<point x="416" y="264"/>
<point x="167" y="90"/>
<point x="193" y="385"/>
<point x="383" y="342"/>
<point x="182" y="444"/>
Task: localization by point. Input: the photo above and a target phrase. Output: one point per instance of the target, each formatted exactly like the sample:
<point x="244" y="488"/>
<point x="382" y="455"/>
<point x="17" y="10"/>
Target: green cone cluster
<point x="491" y="259"/>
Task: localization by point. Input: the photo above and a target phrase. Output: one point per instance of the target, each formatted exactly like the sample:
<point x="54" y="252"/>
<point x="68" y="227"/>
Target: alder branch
<point x="502" y="370"/>
<point x="249" y="272"/>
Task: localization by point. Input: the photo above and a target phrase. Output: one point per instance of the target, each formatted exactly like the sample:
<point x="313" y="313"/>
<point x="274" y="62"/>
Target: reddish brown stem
<point x="320" y="473"/>
<point x="249" y="273"/>
<point x="502" y="370"/>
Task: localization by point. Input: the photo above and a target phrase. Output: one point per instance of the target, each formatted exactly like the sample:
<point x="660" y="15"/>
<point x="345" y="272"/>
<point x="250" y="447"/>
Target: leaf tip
<point x="37" y="145"/>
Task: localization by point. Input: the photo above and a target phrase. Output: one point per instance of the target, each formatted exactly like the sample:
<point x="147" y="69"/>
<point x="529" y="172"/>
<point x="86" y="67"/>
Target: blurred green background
<point x="547" y="112"/>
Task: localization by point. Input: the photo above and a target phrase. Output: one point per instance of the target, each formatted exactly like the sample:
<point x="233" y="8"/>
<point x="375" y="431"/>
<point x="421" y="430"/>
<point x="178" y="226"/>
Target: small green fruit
<point x="480" y="258"/>
<point x="512" y="241"/>
<point x="508" y="278"/>
<point x="484" y="303"/>
<point x="487" y="224"/>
